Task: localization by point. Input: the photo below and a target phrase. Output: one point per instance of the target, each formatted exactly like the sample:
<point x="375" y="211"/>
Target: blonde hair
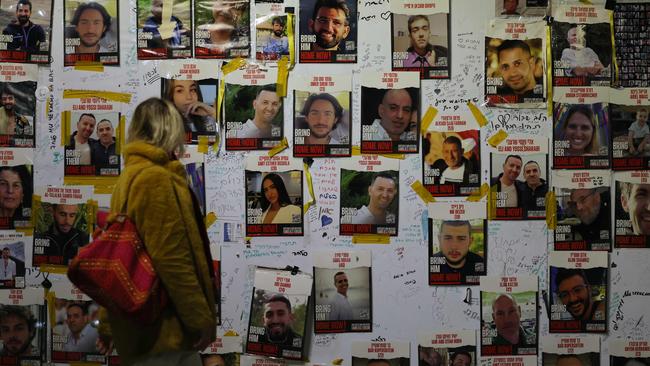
<point x="157" y="122"/>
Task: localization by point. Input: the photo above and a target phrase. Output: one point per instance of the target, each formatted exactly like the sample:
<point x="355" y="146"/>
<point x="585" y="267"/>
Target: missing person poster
<point x="457" y="243"/>
<point x="451" y="159"/>
<point x="578" y="292"/>
<point x="16" y="187"/>
<point x="628" y="111"/>
<point x="278" y="316"/>
<point x="571" y="350"/>
<point x="274" y="196"/>
<point x="581" y="45"/>
<point x="63" y="220"/>
<point x="91" y="32"/>
<point x="322" y="124"/>
<point x="23" y="316"/>
<point x="581" y="135"/>
<point x="13" y="260"/>
<point x="18" y="104"/>
<point x="222" y="29"/>
<point x="509" y="317"/>
<point x="518" y="8"/>
<point x="248" y="360"/>
<point x="252" y="109"/>
<point x="192" y="87"/>
<point x="632" y="58"/>
<point x="583" y="211"/>
<point x="519" y="181"/>
<point x="223" y="351"/>
<point x="390" y="120"/>
<point x="420" y="35"/>
<point x="272" y="32"/>
<point x="453" y="348"/>
<point x="380" y="353"/>
<point x="629" y="352"/>
<point x="328" y="31"/>
<point x="73" y="336"/>
<point x="515" y="62"/>
<point x="369" y="202"/>
<point x="343" y="292"/>
<point x="194" y="163"/>
<point x="631" y="195"/>
<point x="92" y="133"/>
<point x="26" y="31"/>
<point x="164" y="33"/>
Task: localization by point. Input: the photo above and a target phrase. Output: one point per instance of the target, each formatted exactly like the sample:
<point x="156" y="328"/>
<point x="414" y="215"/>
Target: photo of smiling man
<point x="91" y="32"/>
<point x="632" y="209"/>
<point x="328" y="31"/>
<point x="322" y="123"/>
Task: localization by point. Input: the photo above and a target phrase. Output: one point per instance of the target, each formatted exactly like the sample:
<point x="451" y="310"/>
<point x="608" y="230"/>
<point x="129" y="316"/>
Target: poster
<point x="13" y="245"/>
<point x="571" y="350"/>
<point x="274" y="196"/>
<point x="518" y="8"/>
<point x="628" y="352"/>
<point x="343" y="292"/>
<point x="26" y="31"/>
<point x="519" y="181"/>
<point x="322" y="124"/>
<point x="628" y="111"/>
<point x="277" y="323"/>
<point x="16" y="187"/>
<point x="390" y="121"/>
<point x="515" y="62"/>
<point x="631" y="193"/>
<point x="457" y="243"/>
<point x="581" y="136"/>
<point x="272" y="32"/>
<point x="91" y="32"/>
<point x="223" y="351"/>
<point x="18" y="110"/>
<point x="194" y="163"/>
<point x="632" y="58"/>
<point x="164" y="33"/>
<point x="369" y="202"/>
<point x="583" y="211"/>
<point x="222" y="29"/>
<point x="578" y="291"/>
<point x="253" y="111"/>
<point x="421" y="37"/>
<point x="380" y="353"/>
<point x="453" y="348"/>
<point x="328" y="34"/>
<point x="23" y="317"/>
<point x="63" y="220"/>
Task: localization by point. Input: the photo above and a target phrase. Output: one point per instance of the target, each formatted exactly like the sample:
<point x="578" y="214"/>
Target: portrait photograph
<point x="574" y="359"/>
<point x="328" y="31"/>
<point x="16" y="188"/>
<point x="17" y="113"/>
<point x="509" y="323"/>
<point x="343" y="295"/>
<point x="457" y="251"/>
<point x="59" y="231"/>
<point x="222" y="29"/>
<point x="274" y="203"/>
<point x="438" y="356"/>
<point x="581" y="136"/>
<point x="175" y="41"/>
<point x="630" y="207"/>
<point x="630" y="136"/>
<point x="74" y="336"/>
<point x="91" y="32"/>
<point x="583" y="218"/>
<point x="322" y="124"/>
<point x="12" y="259"/>
<point x="27" y="346"/>
<point x="272" y="37"/>
<point x="27" y="26"/>
<point x="196" y="101"/>
<point x="451" y="162"/>
<point x="93" y="147"/>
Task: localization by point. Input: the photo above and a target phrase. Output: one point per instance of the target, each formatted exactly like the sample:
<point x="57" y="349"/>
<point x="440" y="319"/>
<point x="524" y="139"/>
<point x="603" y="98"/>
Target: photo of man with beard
<point x="579" y="295"/>
<point x="26" y="28"/>
<point x="17" y="330"/>
<point x="331" y="27"/>
<point x="25" y="35"/>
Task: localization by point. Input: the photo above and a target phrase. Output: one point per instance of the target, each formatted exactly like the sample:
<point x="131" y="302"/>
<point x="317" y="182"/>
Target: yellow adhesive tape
<point x="103" y="185"/>
<point x="231" y="333"/>
<point x="92" y="208"/>
<point x="478" y="195"/>
<point x="614" y="61"/>
<point x="92" y="66"/>
<point x="233" y="65"/>
<point x="337" y="362"/>
<point x="279" y="147"/>
<point x="291" y="39"/>
<point x="551" y="210"/>
<point x="51" y="309"/>
<point x="283" y="77"/>
<point x="210" y="219"/>
<point x="28" y="231"/>
<point x="52" y="268"/>
<point x="497" y="138"/>
<point x="36" y="206"/>
<point x="112" y="96"/>
<point x="166" y="29"/>
<point x="549" y="72"/>
<point x="427" y="119"/>
<point x="356" y="151"/>
<point x="478" y="115"/>
<point x="121" y="136"/>
<point x="492" y="203"/>
<point x="65" y="128"/>
<point x="203" y="144"/>
<point x="310" y="188"/>
<point x="424" y="194"/>
<point x="370" y="239"/>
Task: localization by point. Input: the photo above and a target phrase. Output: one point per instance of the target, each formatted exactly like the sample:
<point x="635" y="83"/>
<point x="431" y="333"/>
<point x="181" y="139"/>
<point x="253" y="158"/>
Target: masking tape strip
<point x="424" y="194"/>
<point x="492" y="203"/>
<point x="92" y="66"/>
<point x="112" y="96"/>
<point x="370" y="239"/>
<point x="614" y="61"/>
<point x="65" y="128"/>
<point x="291" y="38"/>
<point x="121" y="135"/>
<point x="103" y="185"/>
<point x="551" y="210"/>
<point x="356" y="151"/>
<point x="225" y="70"/>
<point x="478" y="115"/>
<point x="36" y="206"/>
<point x="337" y="361"/>
<point x="283" y="77"/>
<point x="310" y="188"/>
<point x="203" y="144"/>
<point x="549" y="72"/>
<point x="53" y="268"/>
<point x="91" y="210"/>
<point x="588" y="2"/>
<point x="166" y="29"/>
<point x="231" y="333"/>
<point x="28" y="231"/>
<point x="210" y="219"/>
<point x="497" y="138"/>
<point x="427" y="119"/>
<point x="282" y="145"/>
<point x="478" y="195"/>
<point x="51" y="309"/>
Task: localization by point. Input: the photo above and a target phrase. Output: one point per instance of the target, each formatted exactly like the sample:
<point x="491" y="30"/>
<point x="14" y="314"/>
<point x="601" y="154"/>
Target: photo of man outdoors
<point x="322" y="113"/>
<point x="381" y="193"/>
<point x="265" y="107"/>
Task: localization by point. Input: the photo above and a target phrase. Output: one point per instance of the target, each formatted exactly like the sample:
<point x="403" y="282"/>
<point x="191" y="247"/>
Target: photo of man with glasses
<point x="330" y="32"/>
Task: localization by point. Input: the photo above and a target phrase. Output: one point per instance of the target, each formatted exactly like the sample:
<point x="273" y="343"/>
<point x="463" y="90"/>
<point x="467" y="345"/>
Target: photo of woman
<point x="276" y="203"/>
<point x="199" y="118"/>
<point x="15" y="194"/>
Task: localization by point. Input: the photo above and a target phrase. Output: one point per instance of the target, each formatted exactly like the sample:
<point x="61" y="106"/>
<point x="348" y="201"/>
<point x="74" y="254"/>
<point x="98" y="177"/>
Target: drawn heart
<point x="385" y="15"/>
<point x="325" y="220"/>
<point x="437" y="91"/>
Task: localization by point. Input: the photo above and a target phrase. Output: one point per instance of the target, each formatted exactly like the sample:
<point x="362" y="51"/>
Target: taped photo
<point x="451" y="162"/>
<point x="578" y="287"/>
<point x="581" y="136"/>
<point x="629" y="352"/>
<point x="628" y="111"/>
<point x="380" y="353"/>
<point x="26" y="31"/>
<point x="222" y="29"/>
<point x="23" y="327"/>
<point x="343" y="292"/>
<point x="224" y="351"/>
<point x="12" y="260"/>
<point x="328" y="31"/>
<point x="272" y="33"/>
<point x="196" y="101"/>
<point x="18" y="105"/>
<point x="16" y="188"/>
<point x="583" y="210"/>
<point x="632" y="191"/>
<point x="164" y="33"/>
<point x="93" y="149"/>
<point x="453" y="348"/>
<point x="73" y="336"/>
<point x="571" y="351"/>
<point x="91" y="32"/>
